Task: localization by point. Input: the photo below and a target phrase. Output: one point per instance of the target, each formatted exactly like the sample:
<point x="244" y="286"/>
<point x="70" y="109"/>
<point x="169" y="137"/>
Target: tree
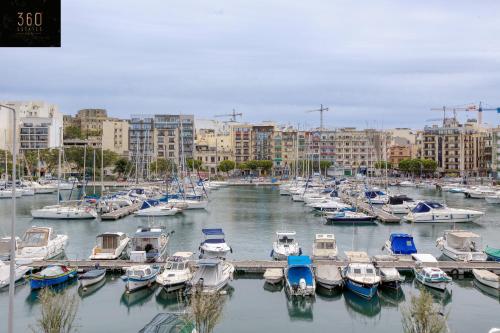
<point x="404" y="165"/>
<point x="415" y="166"/>
<point x="422" y="315"/>
<point x="58" y="312"/>
<point x="242" y="166"/>
<point x="163" y="166"/>
<point x="206" y="309"/>
<point x="429" y="166"/>
<point x="325" y="165"/>
<point x="122" y="165"/>
<point x="73" y="132"/>
<point x="194" y="164"/>
<point x="252" y="165"/>
<point x="383" y="165"/>
<point x="265" y="165"/>
<point x="226" y="166"/>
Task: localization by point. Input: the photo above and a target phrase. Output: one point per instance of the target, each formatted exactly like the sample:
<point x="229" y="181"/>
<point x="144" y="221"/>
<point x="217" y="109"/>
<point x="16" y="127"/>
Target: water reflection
<point x="138" y="297"/>
<point x="357" y="305"/>
<point x="391" y="297"/>
<point x="276" y="287"/>
<point x="92" y="289"/>
<point x="300" y="308"/>
<point x="488" y="291"/>
<point x="328" y="294"/>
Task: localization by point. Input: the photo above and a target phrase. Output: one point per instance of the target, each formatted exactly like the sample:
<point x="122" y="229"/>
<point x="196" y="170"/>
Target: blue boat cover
<point x="211" y="232"/>
<point x="299" y="261"/>
<point x="149" y="203"/>
<point x="373" y="194"/>
<point x="402" y="244"/>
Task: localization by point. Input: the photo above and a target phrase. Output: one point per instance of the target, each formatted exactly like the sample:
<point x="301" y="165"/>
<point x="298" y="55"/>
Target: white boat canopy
<point x="424" y="257"/>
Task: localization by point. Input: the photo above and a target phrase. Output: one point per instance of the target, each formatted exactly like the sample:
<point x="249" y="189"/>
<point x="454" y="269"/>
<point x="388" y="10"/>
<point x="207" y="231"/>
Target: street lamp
<point x="12" y="278"/>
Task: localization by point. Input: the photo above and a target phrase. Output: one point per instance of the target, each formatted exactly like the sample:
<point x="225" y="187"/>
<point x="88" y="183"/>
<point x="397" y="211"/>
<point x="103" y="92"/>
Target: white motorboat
<point x="149" y="244"/>
<point x="285" y="245"/>
<point x="189" y="203"/>
<point x="479" y="192"/>
<point x="273" y="275"/>
<point x="110" y="246"/>
<point x="329" y="206"/>
<point x="390" y="277"/>
<point x="20" y="272"/>
<point x="156" y="208"/>
<point x="493" y="198"/>
<point x="140" y="276"/>
<point x="41" y="243"/>
<point x="64" y="212"/>
<point x="348" y="217"/>
<point x="6" y="193"/>
<point x="429" y="275"/>
<point x="399" y="204"/>
<point x="487" y="278"/>
<point x="92" y="277"/>
<point x="5" y="248"/>
<point x="375" y="197"/>
<point x="43" y="189"/>
<point x="214" y="245"/>
<point x="461" y="245"/>
<point x="176" y="272"/>
<point x="407" y="183"/>
<point x="211" y="276"/>
<point x="361" y="278"/>
<point x="328" y="276"/>
<point x="325" y="246"/>
<point x="434" y="212"/>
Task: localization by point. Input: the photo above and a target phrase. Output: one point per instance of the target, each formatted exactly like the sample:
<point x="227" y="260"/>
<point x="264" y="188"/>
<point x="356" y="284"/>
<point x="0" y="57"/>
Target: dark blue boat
<point x="401" y="244"/>
<point x="52" y="275"/>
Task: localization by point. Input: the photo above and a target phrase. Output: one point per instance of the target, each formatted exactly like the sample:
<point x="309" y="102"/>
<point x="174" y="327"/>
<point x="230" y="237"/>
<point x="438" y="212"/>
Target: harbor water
<point x="250" y="216"/>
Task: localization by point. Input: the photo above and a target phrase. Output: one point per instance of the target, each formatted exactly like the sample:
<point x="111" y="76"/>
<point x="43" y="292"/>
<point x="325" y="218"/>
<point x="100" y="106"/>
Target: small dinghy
<point x="92" y="277"/>
<point x="492" y="253"/>
<point x="329" y="277"/>
<point x="273" y="275"/>
<point x="140" y="276"/>
<point x="487" y="278"/>
<point x="52" y="275"/>
<point x="390" y="277"/>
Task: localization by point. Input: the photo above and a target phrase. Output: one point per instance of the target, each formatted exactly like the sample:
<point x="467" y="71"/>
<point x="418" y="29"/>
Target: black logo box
<point x="30" y="23"/>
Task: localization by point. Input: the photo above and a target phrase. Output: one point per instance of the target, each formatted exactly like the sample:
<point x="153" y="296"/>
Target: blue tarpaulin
<point x="402" y="244"/>
<point x="299" y="268"/>
<point x="149" y="203"/>
<point x="212" y="232"/>
<point x="299" y="260"/>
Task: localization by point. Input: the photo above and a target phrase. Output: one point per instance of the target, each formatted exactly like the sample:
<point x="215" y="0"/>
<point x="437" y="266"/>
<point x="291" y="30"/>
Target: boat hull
<point x="463" y="256"/>
<point x="489" y="283"/>
<point x="84" y="283"/>
<point x="364" y="290"/>
<point x="438" y="285"/>
<point x="42" y="282"/>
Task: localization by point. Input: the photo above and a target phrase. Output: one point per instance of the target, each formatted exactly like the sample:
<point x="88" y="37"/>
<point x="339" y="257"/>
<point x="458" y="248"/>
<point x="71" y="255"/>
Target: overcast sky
<point x="374" y="63"/>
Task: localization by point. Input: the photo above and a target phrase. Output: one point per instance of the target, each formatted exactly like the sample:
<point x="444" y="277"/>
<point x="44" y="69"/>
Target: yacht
<point x="149" y="244"/>
<point x="110" y="246"/>
<point x="41" y="243"/>
<point x="400" y="244"/>
<point x="479" y="192"/>
<point x="176" y="272"/>
<point x="64" y="212"/>
<point x="434" y="212"/>
<point x="299" y="276"/>
<point x="399" y="204"/>
<point x="325" y="246"/>
<point x="156" y="208"/>
<point x="407" y="183"/>
<point x="214" y="245"/>
<point x="461" y="245"/>
<point x="20" y="272"/>
<point x="189" y="203"/>
<point x="348" y="217"/>
<point x="43" y="188"/>
<point x="330" y="206"/>
<point x="6" y="193"/>
<point x="376" y="197"/>
<point x="285" y="245"/>
<point x="212" y="275"/>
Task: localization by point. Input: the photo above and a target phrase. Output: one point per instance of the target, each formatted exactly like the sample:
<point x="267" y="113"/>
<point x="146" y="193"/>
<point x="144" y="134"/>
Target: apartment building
<point x="458" y="149"/>
<point x="115" y="136"/>
<point x="213" y="145"/>
<point x="241" y="136"/>
<point x="90" y="120"/>
<point x="397" y="153"/>
<point x="262" y="142"/>
<point x="495" y="152"/>
<point x="39" y="125"/>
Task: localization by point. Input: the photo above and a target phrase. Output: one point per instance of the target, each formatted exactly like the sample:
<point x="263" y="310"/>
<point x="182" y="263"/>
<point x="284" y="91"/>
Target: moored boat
<point x="150" y="243"/>
<point x="361" y="278"/>
<point x="41" y="243"/>
<point x="273" y="275"/>
<point x="140" y="276"/>
<point x="20" y="272"/>
<point x="110" y="246"/>
<point x="176" y="272"/>
<point x="400" y="244"/>
<point x="390" y="277"/>
<point x="156" y="208"/>
<point x="92" y="277"/>
<point x="211" y="276"/>
<point x="434" y="212"/>
<point x="64" y="212"/>
<point x="52" y="275"/>
<point x="299" y="276"/>
<point x="492" y="253"/>
<point x="325" y="246"/>
<point x="427" y="274"/>
<point x="461" y="245"/>
<point x="348" y="217"/>
<point x="328" y="276"/>
<point x="214" y="245"/>
<point x="487" y="278"/>
<point x="285" y="245"/>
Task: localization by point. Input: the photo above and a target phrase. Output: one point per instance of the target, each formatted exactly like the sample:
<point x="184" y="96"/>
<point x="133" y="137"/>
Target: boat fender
<point x="454" y="272"/>
<point x="231" y="249"/>
<point x="272" y="253"/>
<point x="300" y="251"/>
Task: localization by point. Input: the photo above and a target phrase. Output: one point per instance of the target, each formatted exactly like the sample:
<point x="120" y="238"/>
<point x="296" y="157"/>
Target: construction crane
<point x="232" y="115"/>
<point x="320" y="110"/>
<point x="469" y="108"/>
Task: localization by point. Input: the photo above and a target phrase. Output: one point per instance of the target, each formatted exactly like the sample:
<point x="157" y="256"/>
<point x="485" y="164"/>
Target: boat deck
<point x="260" y="266"/>
<point x="372" y="210"/>
<point x="121" y="212"/>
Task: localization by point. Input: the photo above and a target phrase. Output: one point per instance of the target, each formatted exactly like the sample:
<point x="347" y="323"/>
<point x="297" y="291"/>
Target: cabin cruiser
<point x="407" y="183"/>
<point x="64" y="212"/>
<point x="156" y="208"/>
<point x="330" y="206"/>
<point x="43" y="188"/>
<point x="140" y="276"/>
<point x="434" y="212"/>
<point x="461" y="245"/>
<point x="325" y="246"/>
<point x="212" y="275"/>
<point x="149" y="244"/>
<point x="5" y="248"/>
<point x="189" y="203"/>
<point x="348" y="217"/>
<point x="41" y="243"/>
<point x="399" y="204"/>
<point x="427" y="274"/>
<point x="376" y="197"/>
<point x="400" y="244"/>
<point x="479" y="192"/>
<point x="285" y="245"/>
<point x="20" y="272"/>
<point x="214" y="245"/>
<point x="362" y="279"/>
<point x="176" y="272"/>
<point x="6" y="193"/>
<point x="493" y="198"/>
<point x="110" y="246"/>
<point x="299" y="276"/>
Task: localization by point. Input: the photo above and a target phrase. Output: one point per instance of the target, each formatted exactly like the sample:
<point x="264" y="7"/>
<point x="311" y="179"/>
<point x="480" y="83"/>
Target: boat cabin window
<point x="148" y="271"/>
<point x="325" y="245"/>
<point x="357" y="271"/>
<point x="435" y="205"/>
<point x="435" y="275"/>
<point x="369" y="271"/>
<point x="34" y="238"/>
<point x="144" y="244"/>
<point x="109" y="242"/>
<point x="286" y="240"/>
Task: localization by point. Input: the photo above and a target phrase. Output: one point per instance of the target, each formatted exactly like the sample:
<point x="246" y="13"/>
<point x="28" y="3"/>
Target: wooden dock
<point x="260" y="266"/>
<point x="372" y="210"/>
<point x="121" y="212"/>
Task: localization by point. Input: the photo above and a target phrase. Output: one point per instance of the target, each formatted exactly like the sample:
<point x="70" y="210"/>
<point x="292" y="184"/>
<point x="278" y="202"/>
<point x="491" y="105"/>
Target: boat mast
<point x="6" y="162"/>
<point x="93" y="170"/>
<point x="84" y="180"/>
<point x="59" y="168"/>
<point x="102" y="169"/>
<point x="137" y="157"/>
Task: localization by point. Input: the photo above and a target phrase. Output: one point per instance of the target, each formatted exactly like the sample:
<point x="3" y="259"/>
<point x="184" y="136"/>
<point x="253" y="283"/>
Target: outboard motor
<point x="302" y="284"/>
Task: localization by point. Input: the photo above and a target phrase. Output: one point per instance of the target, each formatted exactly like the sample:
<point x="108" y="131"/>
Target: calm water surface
<point x="250" y="216"/>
